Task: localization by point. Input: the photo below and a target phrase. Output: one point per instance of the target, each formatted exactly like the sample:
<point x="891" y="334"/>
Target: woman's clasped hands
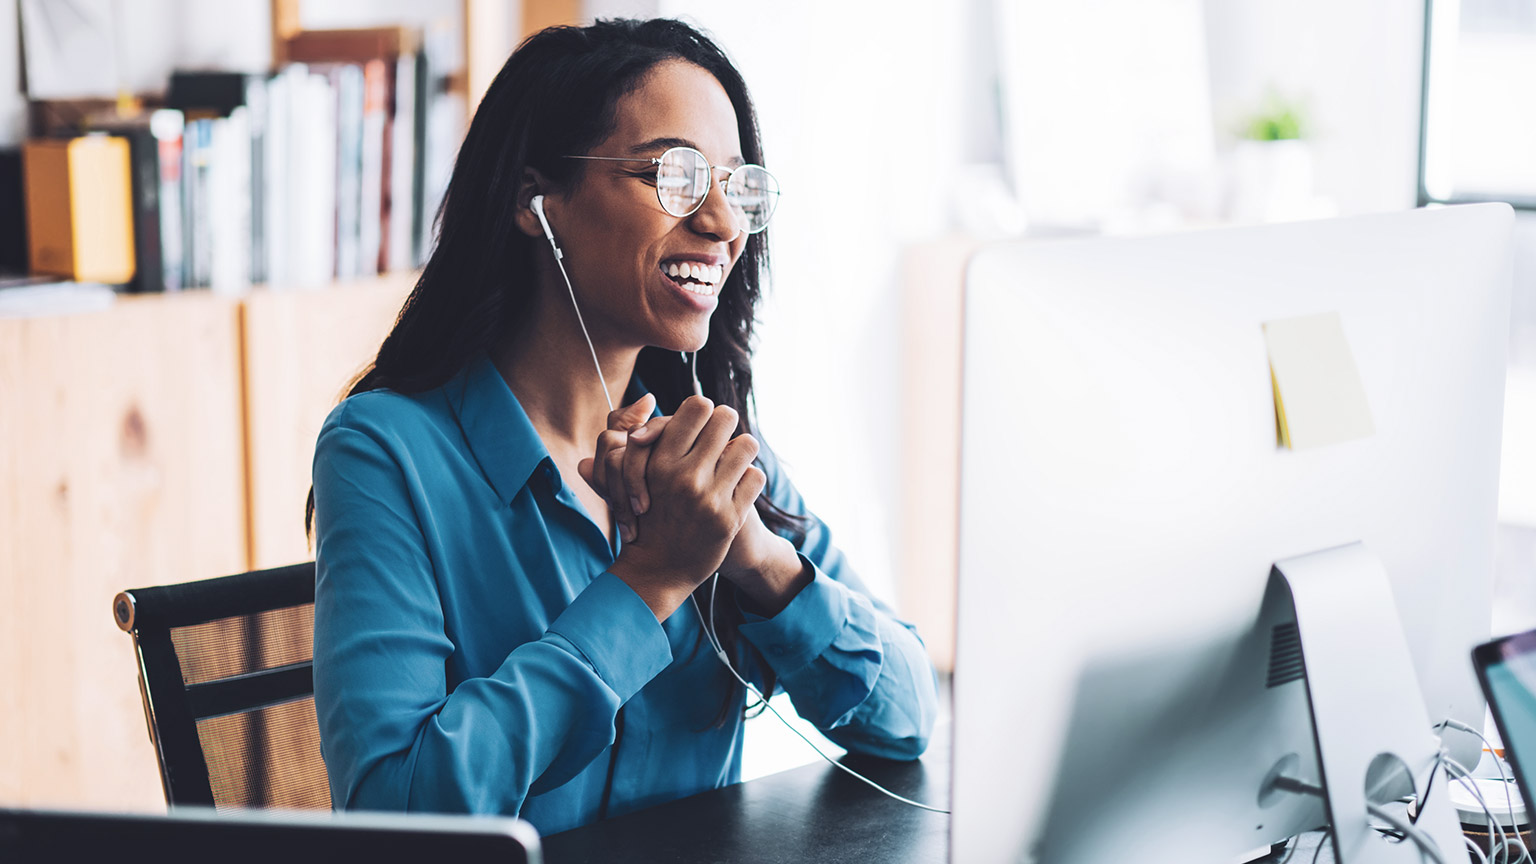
<point x="681" y="491"/>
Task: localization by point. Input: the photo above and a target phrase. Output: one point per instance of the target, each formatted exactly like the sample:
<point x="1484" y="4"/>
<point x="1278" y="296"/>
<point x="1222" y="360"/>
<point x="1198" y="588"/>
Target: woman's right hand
<point x="701" y="484"/>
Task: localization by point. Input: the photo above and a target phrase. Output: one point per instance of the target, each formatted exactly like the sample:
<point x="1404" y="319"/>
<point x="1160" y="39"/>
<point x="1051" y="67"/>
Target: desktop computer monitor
<point x="1124" y="496"/>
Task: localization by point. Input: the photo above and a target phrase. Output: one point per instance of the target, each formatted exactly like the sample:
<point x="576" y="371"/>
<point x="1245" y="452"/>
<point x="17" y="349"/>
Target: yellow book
<point x="80" y="208"/>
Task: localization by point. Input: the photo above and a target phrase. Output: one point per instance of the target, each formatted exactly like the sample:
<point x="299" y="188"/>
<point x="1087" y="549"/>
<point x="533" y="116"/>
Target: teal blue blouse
<point x="473" y="655"/>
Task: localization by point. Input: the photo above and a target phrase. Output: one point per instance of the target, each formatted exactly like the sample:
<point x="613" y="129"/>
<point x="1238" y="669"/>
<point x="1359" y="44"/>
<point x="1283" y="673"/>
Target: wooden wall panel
<point x="120" y="466"/>
<point x="302" y="349"/>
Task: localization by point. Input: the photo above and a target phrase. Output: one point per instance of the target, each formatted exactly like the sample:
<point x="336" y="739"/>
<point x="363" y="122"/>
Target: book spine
<point x="275" y="211"/>
<point x="313" y="177"/>
<point x="199" y="230"/>
<point x="257" y="107"/>
<point x="349" y="168"/>
<point x="168" y="127"/>
<point x="371" y="149"/>
<point x="402" y="166"/>
<point x="144" y="157"/>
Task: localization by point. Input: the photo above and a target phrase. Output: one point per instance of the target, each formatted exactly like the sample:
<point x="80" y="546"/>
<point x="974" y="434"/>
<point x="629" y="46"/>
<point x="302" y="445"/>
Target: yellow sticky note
<point x="1319" y="399"/>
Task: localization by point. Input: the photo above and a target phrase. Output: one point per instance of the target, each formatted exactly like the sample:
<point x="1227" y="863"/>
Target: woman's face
<point x="620" y="245"/>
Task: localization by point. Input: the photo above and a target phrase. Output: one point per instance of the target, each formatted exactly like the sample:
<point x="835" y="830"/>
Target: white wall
<point x="859" y="113"/>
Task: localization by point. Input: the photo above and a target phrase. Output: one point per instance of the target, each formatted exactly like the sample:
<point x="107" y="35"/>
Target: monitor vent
<point x="1285" y="662"/>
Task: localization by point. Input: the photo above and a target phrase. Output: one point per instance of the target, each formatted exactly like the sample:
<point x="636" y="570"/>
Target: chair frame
<point x="171" y="707"/>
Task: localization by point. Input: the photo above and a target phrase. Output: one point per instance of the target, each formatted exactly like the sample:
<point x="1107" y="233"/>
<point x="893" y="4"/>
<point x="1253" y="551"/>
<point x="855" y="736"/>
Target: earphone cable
<point x="714" y="641"/>
<point x="559" y="262"/>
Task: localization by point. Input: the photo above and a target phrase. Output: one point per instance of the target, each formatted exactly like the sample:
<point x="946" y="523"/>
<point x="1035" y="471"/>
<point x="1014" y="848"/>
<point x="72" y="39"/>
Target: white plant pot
<point x="1271" y="181"/>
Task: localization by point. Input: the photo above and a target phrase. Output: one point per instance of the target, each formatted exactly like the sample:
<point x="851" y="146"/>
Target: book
<point x="197" y="168"/>
<point x="167" y="125"/>
<point x="312" y="180"/>
<point x="228" y="201"/>
<point x="399" y="220"/>
<point x="374" y="128"/>
<point x="13" y="213"/>
<point x="79" y="195"/>
<point x="258" y="109"/>
<point x="144" y="161"/>
<point x="348" y="80"/>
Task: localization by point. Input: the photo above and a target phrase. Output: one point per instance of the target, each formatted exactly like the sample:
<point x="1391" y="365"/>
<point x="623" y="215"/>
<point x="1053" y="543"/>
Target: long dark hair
<point x="557" y="95"/>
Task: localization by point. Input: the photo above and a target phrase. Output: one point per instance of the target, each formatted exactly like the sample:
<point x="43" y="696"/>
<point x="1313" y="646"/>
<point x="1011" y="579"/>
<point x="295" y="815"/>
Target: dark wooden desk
<point x="814" y="813"/>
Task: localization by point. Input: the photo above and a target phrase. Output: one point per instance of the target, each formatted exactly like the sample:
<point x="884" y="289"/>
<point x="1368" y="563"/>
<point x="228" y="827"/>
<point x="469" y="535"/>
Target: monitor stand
<point x="1365" y="702"/>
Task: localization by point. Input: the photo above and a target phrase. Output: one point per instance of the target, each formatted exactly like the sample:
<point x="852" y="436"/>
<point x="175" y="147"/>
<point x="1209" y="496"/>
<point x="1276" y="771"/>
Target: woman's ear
<point x="532" y="183"/>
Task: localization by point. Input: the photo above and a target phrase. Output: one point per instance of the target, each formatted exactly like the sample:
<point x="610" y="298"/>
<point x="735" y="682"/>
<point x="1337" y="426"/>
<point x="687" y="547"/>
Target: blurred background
<point x="263" y="173"/>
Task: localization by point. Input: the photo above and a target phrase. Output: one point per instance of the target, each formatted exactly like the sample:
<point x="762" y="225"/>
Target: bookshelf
<point x="163" y="439"/>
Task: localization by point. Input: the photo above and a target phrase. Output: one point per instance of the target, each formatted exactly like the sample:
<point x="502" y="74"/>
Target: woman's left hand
<point x="765" y="566"/>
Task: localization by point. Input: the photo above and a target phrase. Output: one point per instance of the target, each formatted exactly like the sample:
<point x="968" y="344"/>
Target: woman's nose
<point x="716" y="218"/>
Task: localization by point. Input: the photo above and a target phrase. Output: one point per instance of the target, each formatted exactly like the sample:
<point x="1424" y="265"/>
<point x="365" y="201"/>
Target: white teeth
<point x="706" y="277"/>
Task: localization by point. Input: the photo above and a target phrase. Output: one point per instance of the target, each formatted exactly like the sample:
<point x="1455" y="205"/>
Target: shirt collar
<point x="498" y="430"/>
<point x="496" y="427"/>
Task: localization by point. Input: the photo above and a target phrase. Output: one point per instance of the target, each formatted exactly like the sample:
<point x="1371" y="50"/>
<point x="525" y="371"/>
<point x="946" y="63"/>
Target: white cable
<point x="693" y="371"/>
<point x="1504" y="844"/>
<point x="1525" y="854"/>
<point x="1475" y="849"/>
<point x="1425" y="843"/>
<point x="574" y="305"/>
<point x="714" y="641"/>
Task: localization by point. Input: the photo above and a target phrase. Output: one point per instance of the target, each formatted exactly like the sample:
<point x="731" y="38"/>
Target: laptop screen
<point x="1507" y="668"/>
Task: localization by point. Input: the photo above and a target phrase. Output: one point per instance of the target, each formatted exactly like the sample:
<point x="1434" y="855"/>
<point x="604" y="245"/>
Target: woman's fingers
<point x="637" y="455"/>
<point x="751" y="485"/>
<point x="735" y="458"/>
<point x="632" y="415"/>
<point x="680" y="434"/>
<point x="616" y="496"/>
<point x="607" y="441"/>
<point x="714" y="436"/>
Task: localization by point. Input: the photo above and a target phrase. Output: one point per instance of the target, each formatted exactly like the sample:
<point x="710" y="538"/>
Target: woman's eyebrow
<point x="667" y="143"/>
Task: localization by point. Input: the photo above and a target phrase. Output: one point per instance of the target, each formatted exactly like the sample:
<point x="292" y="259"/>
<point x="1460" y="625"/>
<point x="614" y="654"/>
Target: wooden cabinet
<point x="301" y="351"/>
<point x="121" y="464"/>
<point x="163" y="440"/>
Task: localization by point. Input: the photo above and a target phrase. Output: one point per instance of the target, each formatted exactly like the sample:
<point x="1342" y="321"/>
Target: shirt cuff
<point x="617" y="634"/>
<point x="803" y="629"/>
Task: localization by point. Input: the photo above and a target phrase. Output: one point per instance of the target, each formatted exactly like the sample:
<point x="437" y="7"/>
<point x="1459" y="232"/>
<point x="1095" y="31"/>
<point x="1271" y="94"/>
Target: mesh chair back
<point x="224" y="669"/>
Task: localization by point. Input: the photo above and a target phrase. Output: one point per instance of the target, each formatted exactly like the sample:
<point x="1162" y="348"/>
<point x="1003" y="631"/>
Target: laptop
<point x="1507" y="669"/>
<point x="197" y="835"/>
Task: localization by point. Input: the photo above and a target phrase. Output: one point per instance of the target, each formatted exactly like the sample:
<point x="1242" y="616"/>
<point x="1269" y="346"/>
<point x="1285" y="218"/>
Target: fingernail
<point x="626" y="533"/>
<point x="635" y="505"/>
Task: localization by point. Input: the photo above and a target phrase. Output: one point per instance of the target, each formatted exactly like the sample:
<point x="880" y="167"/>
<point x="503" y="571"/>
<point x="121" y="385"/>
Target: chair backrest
<point x="225" y="672"/>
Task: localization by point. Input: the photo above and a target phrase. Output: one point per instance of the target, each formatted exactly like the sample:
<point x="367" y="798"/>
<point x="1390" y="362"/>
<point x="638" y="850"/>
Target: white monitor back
<point x="1123" y="497"/>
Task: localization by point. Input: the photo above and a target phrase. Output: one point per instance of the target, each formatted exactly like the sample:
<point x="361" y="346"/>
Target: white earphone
<point x="537" y="206"/>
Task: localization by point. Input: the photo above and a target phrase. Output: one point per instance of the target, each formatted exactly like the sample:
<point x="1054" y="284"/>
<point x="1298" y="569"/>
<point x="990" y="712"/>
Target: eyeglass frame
<point x="656" y="160"/>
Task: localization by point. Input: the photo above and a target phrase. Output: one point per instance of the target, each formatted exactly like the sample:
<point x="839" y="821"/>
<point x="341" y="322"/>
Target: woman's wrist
<point x="773" y="580"/>
<point x="661" y="591"/>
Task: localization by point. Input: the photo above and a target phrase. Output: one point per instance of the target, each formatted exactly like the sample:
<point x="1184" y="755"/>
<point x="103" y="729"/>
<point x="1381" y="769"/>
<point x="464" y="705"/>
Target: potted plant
<point x="1272" y="163"/>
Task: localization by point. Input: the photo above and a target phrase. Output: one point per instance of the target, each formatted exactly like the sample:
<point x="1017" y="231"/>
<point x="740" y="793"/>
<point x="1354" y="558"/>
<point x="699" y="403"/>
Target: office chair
<point x="224" y="670"/>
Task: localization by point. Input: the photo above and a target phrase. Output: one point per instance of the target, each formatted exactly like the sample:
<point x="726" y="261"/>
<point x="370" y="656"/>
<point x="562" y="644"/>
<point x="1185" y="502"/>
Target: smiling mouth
<point x="701" y="279"/>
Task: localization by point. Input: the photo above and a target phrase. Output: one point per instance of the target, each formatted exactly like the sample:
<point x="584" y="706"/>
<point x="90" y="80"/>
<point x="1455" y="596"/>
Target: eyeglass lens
<point x="683" y="178"/>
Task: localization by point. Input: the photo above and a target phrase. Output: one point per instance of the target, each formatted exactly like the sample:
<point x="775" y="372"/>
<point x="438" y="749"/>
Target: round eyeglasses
<point x="683" y="178"/>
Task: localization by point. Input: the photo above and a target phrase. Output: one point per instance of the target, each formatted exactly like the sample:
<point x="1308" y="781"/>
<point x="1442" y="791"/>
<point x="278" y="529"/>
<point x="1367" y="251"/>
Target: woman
<point x="498" y="612"/>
